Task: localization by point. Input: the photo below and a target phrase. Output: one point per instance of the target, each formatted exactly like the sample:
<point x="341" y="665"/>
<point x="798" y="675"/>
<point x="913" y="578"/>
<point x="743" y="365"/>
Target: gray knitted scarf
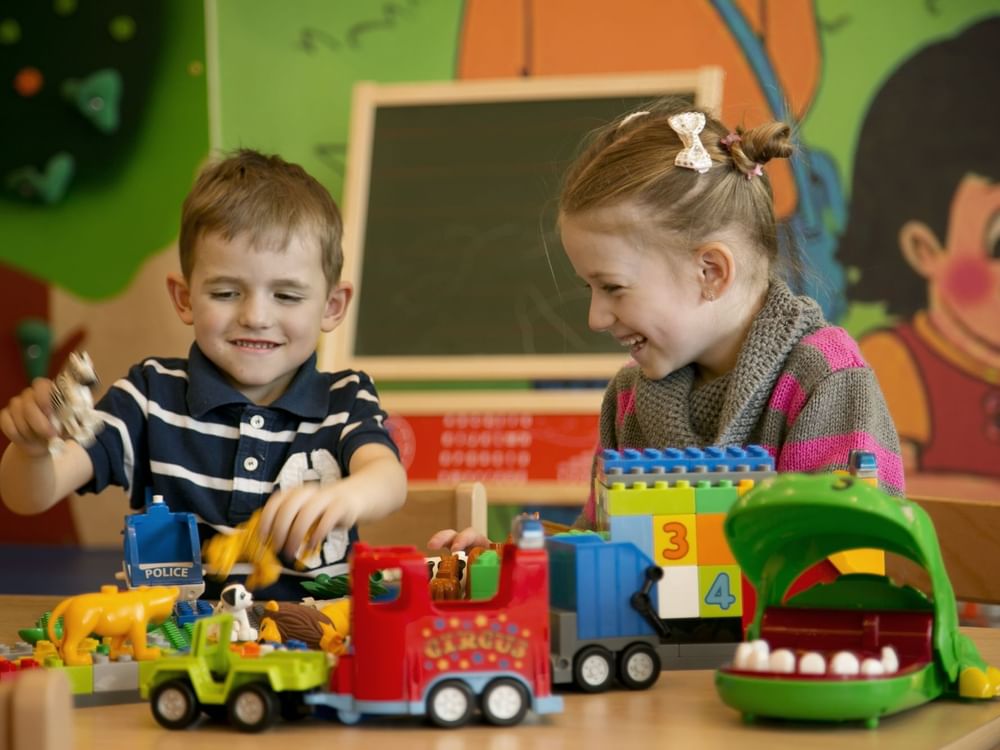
<point x="725" y="411"/>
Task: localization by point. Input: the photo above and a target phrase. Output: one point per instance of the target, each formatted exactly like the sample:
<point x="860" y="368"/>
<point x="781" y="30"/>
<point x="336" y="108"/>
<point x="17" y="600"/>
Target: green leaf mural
<point x="108" y="124"/>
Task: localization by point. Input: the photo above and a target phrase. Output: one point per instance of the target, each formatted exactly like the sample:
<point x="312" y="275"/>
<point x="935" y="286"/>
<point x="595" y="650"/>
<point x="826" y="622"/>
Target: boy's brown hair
<point x="267" y="198"/>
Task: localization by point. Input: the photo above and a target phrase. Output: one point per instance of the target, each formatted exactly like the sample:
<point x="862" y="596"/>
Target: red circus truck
<point x="444" y="659"/>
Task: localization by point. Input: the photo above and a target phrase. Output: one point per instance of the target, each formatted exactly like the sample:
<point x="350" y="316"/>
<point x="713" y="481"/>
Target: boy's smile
<point x="257" y="313"/>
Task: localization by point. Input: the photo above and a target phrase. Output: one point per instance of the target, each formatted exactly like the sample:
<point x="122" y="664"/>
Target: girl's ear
<point x="337" y="301"/>
<point x="180" y="295"/>
<point x="921" y="247"/>
<point x="716" y="269"/>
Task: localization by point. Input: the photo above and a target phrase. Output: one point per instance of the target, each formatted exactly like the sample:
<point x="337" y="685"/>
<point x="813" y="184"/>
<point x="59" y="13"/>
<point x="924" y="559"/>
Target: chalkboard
<point x="450" y="236"/>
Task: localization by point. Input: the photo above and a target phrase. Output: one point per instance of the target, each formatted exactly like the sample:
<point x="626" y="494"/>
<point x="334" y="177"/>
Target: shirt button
<point x="250" y="463"/>
<point x="256" y="421"/>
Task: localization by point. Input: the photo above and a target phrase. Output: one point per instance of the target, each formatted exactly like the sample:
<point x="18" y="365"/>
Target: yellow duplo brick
<point x="675" y="540"/>
<point x="628" y="500"/>
<point x="45" y="649"/>
<point x="678" y="498"/>
<point x="745" y="486"/>
<point x="81" y="679"/>
<point x="640" y="499"/>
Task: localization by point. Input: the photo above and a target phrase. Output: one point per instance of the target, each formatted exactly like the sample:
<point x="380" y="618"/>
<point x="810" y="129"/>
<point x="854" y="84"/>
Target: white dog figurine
<point x="236" y="600"/>
<point x="73" y="413"/>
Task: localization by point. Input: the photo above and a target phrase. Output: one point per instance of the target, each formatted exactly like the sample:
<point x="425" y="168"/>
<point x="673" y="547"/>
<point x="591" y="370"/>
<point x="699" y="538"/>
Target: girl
<point x="669" y="220"/>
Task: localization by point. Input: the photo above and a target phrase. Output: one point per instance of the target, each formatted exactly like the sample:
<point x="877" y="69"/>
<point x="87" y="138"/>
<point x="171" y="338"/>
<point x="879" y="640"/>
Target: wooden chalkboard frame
<point x="337" y="350"/>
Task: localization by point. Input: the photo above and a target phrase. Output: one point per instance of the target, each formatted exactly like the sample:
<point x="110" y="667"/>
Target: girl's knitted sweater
<point x="800" y="388"/>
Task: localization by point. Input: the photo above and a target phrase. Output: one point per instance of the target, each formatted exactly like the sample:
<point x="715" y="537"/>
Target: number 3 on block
<point x="677" y="545"/>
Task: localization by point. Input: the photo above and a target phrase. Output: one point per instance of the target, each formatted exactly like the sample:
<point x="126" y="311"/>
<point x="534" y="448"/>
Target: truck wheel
<point x="450" y="704"/>
<point x="592" y="671"/>
<point x="252" y="707"/>
<point x="348" y="718"/>
<point x="174" y="704"/>
<point x="504" y="702"/>
<point x="638" y="667"/>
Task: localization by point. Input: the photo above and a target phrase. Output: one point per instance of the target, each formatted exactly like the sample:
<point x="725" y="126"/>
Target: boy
<point x="246" y="420"/>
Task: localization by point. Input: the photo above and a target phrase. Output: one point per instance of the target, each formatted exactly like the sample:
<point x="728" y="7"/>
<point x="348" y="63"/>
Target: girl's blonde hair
<point x="632" y="160"/>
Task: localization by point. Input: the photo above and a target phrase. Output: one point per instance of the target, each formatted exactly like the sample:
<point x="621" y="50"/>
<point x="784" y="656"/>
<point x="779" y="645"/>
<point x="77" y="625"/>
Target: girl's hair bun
<point x="761" y="144"/>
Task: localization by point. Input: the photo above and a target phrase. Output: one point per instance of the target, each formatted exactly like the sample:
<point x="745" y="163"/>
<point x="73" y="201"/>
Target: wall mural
<point x="104" y="122"/>
<point x="894" y="200"/>
<point x="821" y="64"/>
<point x="923" y="239"/>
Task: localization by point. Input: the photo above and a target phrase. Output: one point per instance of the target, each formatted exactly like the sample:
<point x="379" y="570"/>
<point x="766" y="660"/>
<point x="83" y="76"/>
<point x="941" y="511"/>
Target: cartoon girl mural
<point x="924" y="230"/>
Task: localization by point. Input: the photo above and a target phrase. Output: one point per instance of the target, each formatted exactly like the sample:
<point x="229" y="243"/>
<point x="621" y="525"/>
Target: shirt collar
<point x="307" y="396"/>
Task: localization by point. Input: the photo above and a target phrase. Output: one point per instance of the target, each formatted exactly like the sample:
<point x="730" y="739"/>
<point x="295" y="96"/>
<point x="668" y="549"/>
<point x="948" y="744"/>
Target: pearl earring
<point x="710" y="295"/>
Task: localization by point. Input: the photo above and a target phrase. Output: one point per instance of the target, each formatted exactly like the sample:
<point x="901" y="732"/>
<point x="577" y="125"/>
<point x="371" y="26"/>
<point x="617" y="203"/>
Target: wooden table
<point x="680" y="712"/>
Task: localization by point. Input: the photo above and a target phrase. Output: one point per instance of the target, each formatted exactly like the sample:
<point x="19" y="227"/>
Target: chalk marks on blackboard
<point x="533" y="306"/>
<point x="313" y="39"/>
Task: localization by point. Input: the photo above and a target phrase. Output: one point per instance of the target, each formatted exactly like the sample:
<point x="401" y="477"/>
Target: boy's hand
<point x="27" y="419"/>
<point x="457" y="541"/>
<point x="306" y="514"/>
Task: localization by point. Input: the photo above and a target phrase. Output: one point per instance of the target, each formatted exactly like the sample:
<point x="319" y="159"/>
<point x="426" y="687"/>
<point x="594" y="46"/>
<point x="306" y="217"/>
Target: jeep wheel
<point x="174" y="704"/>
<point x="252" y="708"/>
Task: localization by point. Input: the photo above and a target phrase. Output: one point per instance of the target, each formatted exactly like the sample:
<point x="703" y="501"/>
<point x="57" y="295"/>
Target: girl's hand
<point x="27" y="419"/>
<point x="457" y="541"/>
<point x="306" y="514"/>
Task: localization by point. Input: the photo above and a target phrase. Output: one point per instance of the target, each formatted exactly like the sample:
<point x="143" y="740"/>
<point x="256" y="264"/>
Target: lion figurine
<point x="118" y="614"/>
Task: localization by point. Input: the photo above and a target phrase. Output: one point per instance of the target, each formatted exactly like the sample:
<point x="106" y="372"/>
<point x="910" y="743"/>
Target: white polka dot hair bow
<point x="688" y="125"/>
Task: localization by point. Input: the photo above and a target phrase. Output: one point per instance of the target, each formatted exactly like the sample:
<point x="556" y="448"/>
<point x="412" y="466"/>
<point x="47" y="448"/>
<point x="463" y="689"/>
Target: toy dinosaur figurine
<point x="243" y="544"/>
<point x="73" y="413"/>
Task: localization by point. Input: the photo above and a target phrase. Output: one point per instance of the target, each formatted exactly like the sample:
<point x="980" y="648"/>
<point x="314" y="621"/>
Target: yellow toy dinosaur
<point x="243" y="544"/>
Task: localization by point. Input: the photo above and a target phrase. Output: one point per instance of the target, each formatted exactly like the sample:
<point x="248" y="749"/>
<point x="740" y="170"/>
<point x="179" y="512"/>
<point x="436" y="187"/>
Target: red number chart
<point x="496" y="447"/>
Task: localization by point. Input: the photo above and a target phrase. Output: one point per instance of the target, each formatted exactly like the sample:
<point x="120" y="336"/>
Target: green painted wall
<point x="286" y="71"/>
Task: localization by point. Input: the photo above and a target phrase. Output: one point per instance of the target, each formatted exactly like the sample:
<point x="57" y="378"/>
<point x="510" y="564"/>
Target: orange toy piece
<point x="118" y="614"/>
<point x="337" y="635"/>
<point x="243" y="544"/>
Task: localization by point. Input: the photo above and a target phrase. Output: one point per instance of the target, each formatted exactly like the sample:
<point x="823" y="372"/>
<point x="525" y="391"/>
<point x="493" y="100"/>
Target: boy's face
<point x="257" y="314"/>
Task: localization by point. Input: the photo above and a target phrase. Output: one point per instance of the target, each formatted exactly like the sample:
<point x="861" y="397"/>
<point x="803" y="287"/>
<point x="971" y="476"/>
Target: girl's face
<point x="644" y="290"/>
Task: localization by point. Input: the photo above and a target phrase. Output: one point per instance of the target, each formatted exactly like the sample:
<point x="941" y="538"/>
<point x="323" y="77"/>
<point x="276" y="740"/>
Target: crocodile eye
<point x="843" y="483"/>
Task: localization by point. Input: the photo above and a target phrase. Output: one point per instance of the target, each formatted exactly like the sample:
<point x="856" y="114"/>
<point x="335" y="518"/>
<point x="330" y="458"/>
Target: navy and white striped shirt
<point x="179" y="428"/>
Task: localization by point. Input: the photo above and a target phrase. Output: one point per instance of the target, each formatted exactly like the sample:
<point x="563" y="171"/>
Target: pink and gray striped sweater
<point x="800" y="388"/>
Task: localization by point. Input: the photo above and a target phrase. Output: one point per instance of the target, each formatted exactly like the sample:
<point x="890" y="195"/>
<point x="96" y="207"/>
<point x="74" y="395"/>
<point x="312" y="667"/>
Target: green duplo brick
<point x="81" y="679"/>
<point x="639" y="499"/>
<point x="715" y="498"/>
<point x="484" y="576"/>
